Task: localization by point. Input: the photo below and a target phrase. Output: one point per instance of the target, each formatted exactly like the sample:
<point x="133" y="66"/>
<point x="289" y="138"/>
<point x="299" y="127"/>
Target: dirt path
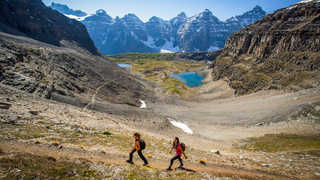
<point x="10" y="147"/>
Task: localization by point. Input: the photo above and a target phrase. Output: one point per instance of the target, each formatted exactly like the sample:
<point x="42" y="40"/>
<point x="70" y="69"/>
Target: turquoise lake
<point x="191" y="79"/>
<point x="125" y="65"/>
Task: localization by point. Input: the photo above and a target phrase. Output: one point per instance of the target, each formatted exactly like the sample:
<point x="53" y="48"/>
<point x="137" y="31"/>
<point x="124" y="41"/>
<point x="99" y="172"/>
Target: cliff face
<point x="295" y="28"/>
<point x="281" y="51"/>
<point x="33" y="19"/>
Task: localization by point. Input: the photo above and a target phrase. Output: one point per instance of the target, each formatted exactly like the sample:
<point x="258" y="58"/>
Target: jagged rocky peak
<point x="248" y="18"/>
<point x="101" y="12"/>
<point x="179" y="19"/>
<point x="206" y="16"/>
<point x="101" y="16"/>
<point x="156" y="19"/>
<point x="132" y="18"/>
<point x="257" y="8"/>
<point x="117" y="19"/>
<point x="64" y="9"/>
<point x="182" y="15"/>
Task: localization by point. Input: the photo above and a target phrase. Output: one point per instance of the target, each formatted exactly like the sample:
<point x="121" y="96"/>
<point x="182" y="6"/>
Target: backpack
<point x="142" y="144"/>
<point x="183" y="146"/>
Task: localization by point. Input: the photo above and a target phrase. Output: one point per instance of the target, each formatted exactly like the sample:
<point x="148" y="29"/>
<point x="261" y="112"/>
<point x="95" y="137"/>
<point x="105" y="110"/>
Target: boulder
<point x="5" y="105"/>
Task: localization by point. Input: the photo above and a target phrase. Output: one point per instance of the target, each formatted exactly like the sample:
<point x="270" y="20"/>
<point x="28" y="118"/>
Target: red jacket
<point x="179" y="150"/>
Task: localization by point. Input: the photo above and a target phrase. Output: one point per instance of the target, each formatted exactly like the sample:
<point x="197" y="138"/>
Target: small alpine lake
<point x="124" y="65"/>
<point x="190" y="79"/>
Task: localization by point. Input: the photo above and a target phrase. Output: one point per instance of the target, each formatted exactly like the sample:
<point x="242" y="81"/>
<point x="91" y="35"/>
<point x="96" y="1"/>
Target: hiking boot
<point x="169" y="169"/>
<point x="130" y="162"/>
<point x="145" y="164"/>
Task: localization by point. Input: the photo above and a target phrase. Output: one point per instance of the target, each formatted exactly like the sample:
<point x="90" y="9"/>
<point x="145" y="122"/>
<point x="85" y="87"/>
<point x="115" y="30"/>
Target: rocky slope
<point x="202" y="32"/>
<point x="34" y="66"/>
<point x="281" y="51"/>
<point x="33" y="19"/>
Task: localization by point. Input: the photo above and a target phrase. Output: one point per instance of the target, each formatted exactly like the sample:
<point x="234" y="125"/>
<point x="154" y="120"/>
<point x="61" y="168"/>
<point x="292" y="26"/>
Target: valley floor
<point x="76" y="143"/>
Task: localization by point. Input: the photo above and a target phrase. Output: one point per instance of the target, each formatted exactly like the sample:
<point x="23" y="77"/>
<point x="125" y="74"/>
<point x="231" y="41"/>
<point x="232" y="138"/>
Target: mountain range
<point x="201" y="32"/>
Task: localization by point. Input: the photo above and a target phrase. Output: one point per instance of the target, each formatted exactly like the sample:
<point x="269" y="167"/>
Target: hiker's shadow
<point x="186" y="169"/>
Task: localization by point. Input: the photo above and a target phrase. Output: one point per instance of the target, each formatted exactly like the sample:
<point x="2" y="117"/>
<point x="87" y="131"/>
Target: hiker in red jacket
<point x="179" y="148"/>
<point x="139" y="145"/>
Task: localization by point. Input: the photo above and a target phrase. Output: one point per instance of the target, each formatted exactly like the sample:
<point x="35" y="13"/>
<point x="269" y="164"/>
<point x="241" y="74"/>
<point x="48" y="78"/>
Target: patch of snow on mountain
<point x="213" y="48"/>
<point x="169" y="48"/>
<point x="165" y="51"/>
<point x="150" y="42"/>
<point x="306" y="1"/>
<point x="76" y="17"/>
<point x="181" y="125"/>
<point x="292" y="7"/>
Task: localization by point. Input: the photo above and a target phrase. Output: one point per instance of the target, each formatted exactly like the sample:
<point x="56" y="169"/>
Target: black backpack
<point x="183" y="146"/>
<point x="142" y="144"/>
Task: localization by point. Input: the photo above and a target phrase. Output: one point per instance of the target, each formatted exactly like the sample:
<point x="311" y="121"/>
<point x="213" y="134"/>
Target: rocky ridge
<point x="281" y="51"/>
<point x="33" y="19"/>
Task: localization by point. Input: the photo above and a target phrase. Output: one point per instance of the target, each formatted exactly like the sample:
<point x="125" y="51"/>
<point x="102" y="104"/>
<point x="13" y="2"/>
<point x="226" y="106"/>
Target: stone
<point x="5" y="105"/>
<point x="35" y="113"/>
<point x="215" y="151"/>
<point x="202" y="162"/>
<point x="260" y="124"/>
<point x="266" y="165"/>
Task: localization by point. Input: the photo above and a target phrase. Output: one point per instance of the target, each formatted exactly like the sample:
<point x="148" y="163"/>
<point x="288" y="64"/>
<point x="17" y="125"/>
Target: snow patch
<point x="213" y="48"/>
<point x="181" y="125"/>
<point x="169" y="48"/>
<point x="165" y="51"/>
<point x="306" y="1"/>
<point x="77" y="17"/>
<point x="292" y="7"/>
<point x="143" y="104"/>
<point x="149" y="42"/>
<point x="166" y="48"/>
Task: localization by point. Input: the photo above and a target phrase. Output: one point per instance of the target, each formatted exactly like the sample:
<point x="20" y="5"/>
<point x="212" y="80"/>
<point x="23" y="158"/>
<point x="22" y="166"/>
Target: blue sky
<point x="167" y="9"/>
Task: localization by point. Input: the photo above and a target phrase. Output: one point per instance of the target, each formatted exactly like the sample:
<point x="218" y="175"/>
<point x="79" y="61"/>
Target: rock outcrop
<point x="295" y="28"/>
<point x="281" y="51"/>
<point x="33" y="19"/>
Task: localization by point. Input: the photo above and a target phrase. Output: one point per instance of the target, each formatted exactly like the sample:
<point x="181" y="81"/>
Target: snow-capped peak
<point x="101" y="12"/>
